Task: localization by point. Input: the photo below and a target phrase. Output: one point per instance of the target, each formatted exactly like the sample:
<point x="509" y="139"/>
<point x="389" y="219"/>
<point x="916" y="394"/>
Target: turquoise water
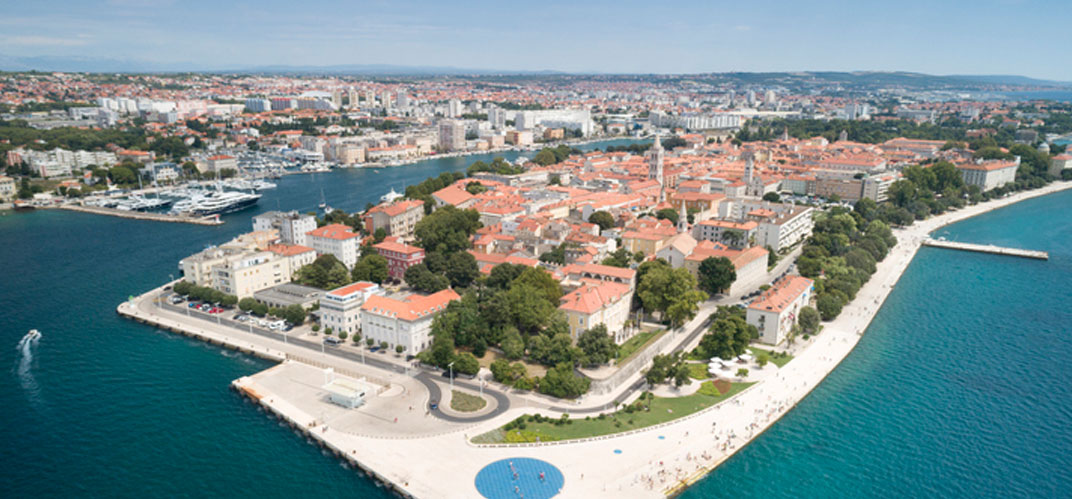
<point x="960" y="388"/>
<point x="105" y="407"/>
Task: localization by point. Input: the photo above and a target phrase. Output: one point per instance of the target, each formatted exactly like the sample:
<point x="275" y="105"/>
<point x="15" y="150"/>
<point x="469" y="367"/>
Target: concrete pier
<point x="141" y="215"/>
<point x="987" y="248"/>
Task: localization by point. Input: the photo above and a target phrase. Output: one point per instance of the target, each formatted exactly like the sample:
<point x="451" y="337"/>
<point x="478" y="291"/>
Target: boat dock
<point x="987" y="248"/>
<point x="142" y="215"/>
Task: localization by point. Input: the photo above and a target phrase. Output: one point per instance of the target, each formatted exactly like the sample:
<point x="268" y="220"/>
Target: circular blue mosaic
<point x="519" y="477"/>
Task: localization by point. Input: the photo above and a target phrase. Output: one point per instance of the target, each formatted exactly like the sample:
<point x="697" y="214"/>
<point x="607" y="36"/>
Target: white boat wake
<point x="24" y="370"/>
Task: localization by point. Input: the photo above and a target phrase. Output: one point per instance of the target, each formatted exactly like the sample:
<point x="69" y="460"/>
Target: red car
<point x="215" y="310"/>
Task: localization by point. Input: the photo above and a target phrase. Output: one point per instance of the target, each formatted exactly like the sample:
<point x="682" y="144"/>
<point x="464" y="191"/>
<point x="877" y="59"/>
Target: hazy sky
<point x="1025" y="37"/>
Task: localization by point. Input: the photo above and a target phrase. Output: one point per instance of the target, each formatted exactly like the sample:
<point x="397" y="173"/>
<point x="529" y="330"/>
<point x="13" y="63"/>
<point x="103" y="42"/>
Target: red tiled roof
<point x="782" y="294"/>
<point x="334" y="231"/>
<point x="412" y="308"/>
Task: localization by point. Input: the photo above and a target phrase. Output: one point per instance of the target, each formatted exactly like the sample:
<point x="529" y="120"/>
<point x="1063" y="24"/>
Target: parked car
<point x="175" y="300"/>
<point x="332" y="340"/>
<point x="193" y="305"/>
<point x="215" y="310"/>
<point x="241" y="318"/>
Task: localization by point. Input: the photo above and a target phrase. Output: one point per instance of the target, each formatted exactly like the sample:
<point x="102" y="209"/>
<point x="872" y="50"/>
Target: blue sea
<point x="960" y="387"/>
<point x="105" y="407"/>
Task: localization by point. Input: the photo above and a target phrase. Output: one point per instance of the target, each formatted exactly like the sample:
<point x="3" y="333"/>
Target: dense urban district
<point x="576" y="294"/>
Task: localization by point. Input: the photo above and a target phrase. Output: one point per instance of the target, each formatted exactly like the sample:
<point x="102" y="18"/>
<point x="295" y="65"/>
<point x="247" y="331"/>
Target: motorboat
<point x="391" y="196"/>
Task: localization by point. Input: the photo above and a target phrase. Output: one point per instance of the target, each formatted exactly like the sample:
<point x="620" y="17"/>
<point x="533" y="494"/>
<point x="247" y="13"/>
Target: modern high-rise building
<point x="451" y="135"/>
<point x="258" y="105"/>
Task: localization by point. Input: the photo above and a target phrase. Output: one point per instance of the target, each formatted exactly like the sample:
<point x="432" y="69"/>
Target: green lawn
<point x="662" y="410"/>
<point x="778" y="359"/>
<point x="464" y="402"/>
<point x="636" y="344"/>
<point x="698" y="371"/>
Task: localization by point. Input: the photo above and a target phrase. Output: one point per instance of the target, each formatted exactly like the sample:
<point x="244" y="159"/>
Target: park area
<point x="648" y="411"/>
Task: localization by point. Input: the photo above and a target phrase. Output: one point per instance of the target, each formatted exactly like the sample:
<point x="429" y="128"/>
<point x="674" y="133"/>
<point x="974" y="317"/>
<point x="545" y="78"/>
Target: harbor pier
<point x="142" y="215"/>
<point x="987" y="248"/>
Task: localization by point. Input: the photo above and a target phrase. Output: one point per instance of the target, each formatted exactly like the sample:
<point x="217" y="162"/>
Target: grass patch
<point x="698" y="371"/>
<point x="638" y="415"/>
<point x="464" y="402"/>
<point x="532" y="370"/>
<point x="779" y="359"/>
<point x="637" y="343"/>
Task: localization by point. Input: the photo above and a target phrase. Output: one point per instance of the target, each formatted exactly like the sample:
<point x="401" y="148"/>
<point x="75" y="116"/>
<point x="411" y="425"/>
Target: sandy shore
<point x="656" y="461"/>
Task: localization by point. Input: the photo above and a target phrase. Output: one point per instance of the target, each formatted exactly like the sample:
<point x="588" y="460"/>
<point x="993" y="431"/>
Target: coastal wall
<point x="308" y="430"/>
<point x="129" y="310"/>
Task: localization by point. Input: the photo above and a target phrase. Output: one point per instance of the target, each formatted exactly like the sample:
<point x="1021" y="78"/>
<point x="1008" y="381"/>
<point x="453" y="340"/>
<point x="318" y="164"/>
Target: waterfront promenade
<point x="645" y="463"/>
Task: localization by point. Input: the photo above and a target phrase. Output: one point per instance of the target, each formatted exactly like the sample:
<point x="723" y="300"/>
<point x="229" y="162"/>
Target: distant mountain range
<point x="105" y="65"/>
<point x="801" y="78"/>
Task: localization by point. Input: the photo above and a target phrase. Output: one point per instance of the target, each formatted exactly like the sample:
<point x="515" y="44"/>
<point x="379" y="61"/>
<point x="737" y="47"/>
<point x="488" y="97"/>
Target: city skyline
<point x="1000" y="37"/>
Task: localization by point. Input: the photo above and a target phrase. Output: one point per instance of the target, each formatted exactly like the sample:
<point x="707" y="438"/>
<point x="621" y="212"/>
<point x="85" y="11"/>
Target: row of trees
<point x="497" y="165"/>
<point x="553" y="155"/>
<point x="841" y="255"/>
<point x="205" y="294"/>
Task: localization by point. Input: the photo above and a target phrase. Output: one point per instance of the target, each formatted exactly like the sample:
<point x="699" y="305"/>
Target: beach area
<point x="650" y="462"/>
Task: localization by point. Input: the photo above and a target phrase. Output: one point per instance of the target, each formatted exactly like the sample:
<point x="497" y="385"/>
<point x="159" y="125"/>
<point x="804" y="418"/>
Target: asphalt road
<point x="425" y="377"/>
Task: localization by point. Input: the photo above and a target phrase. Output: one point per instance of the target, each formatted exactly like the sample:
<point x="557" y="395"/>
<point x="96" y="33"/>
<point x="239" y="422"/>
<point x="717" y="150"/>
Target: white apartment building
<point x="989" y="174"/>
<point x="292" y="226"/>
<point x="336" y="239"/>
<point x="406" y="322"/>
<point x="340" y="309"/>
<point x="775" y="312"/>
<point x="780" y="224"/>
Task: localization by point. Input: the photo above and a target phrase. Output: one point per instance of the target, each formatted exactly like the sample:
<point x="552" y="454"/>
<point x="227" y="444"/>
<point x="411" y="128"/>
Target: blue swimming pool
<point x="519" y="477"/>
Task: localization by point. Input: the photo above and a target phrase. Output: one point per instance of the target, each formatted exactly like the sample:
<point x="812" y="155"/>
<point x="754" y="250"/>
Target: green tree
<point x="512" y="345"/>
<point x="326" y="272"/>
<point x="809" y="319"/>
<point x="716" y="274"/>
<point x="772" y="197"/>
<point x="371" y="267"/>
<point x="229" y="300"/>
<point x="598" y="346"/>
<point x="727" y="337"/>
<point x="829" y="306"/>
<point x="247" y="304"/>
<point x="447" y="230"/>
<point x="560" y="381"/>
<point x="603" y="219"/>
<point x="544" y="158"/>
<point x="294" y="314"/>
<point x="466" y="363"/>
<point x="762" y="358"/>
<point x="671" y="292"/>
<point x="461" y="269"/>
<point x="503" y="274"/>
<point x="667" y="214"/>
<point x="421" y="279"/>
<point x="542" y="281"/>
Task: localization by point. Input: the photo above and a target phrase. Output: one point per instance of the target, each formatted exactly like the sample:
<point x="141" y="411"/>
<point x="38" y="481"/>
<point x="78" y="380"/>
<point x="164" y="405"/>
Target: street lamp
<point x="451" y="367"/>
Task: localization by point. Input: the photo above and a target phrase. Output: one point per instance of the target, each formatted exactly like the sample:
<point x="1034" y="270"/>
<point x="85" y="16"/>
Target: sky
<point x="1021" y="37"/>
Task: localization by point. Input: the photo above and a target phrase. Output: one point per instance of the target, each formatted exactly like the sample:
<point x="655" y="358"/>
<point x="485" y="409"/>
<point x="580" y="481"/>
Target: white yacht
<point x="391" y="196"/>
<point x="216" y="203"/>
